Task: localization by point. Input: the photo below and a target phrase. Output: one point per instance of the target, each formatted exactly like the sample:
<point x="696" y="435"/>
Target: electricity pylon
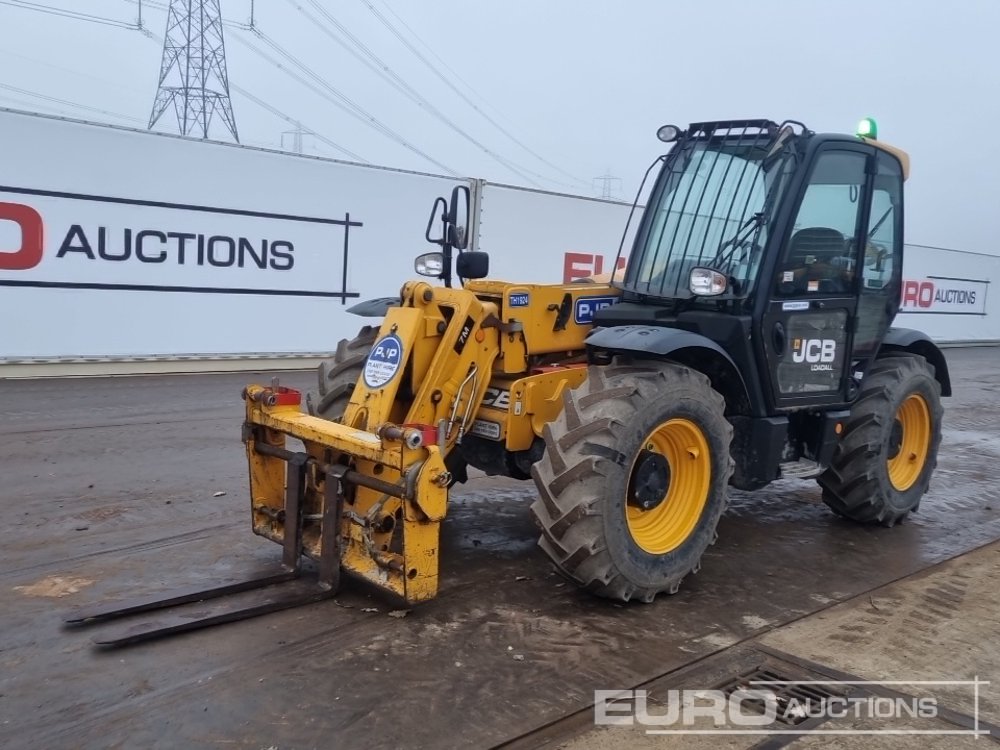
<point x="193" y="75"/>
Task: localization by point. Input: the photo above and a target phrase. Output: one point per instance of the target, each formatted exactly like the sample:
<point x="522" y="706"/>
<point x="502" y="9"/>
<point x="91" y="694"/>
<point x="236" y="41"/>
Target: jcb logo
<point x="814" y="350"/>
<point x="498" y="398"/>
<point x="27" y="252"/>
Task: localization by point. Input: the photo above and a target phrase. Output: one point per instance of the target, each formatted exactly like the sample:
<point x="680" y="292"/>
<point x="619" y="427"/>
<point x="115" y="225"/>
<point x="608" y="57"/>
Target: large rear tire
<point x="888" y="450"/>
<point x="634" y="478"/>
<point x="338" y="375"/>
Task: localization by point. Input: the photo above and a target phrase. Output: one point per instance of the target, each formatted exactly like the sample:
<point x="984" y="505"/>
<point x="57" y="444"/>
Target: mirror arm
<point x="446" y="247"/>
<point x="450" y="239"/>
<point x="430" y="221"/>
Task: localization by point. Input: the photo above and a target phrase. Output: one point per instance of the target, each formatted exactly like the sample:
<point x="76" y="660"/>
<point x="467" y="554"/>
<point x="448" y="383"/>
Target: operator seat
<point x="816" y="262"/>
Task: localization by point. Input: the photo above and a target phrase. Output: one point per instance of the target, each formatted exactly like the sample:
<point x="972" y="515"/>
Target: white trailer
<point x="119" y="245"/>
<point x="128" y="251"/>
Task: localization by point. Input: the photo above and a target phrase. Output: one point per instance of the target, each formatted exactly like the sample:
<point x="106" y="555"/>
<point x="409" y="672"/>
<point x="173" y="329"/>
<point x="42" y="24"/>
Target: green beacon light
<point x="867" y="128"/>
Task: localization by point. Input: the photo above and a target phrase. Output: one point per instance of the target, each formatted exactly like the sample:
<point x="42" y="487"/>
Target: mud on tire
<point x="584" y="475"/>
<point x="857" y="485"/>
<point x="338" y="375"/>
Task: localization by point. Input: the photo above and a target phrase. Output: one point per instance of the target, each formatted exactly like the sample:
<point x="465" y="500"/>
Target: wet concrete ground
<point x="898" y="643"/>
<point x="107" y="486"/>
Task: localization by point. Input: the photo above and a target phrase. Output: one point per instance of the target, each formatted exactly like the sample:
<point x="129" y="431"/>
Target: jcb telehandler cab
<point x="749" y="339"/>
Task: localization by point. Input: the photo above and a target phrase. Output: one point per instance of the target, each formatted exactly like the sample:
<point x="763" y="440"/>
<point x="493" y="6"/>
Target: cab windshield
<point x="712" y="206"/>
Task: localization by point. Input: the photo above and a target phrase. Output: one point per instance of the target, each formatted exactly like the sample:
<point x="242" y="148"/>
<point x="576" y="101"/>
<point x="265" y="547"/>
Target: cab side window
<point x="883" y="247"/>
<point x="819" y="257"/>
<point x="881" y="262"/>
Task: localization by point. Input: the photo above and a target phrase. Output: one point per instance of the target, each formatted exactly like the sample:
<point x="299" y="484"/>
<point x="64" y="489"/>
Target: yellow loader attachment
<point x="371" y="491"/>
<point x="357" y="507"/>
<point x="364" y="488"/>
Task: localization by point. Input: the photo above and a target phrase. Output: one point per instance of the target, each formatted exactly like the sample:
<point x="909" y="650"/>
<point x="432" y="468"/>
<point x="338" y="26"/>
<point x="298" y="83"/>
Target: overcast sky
<point x="582" y="84"/>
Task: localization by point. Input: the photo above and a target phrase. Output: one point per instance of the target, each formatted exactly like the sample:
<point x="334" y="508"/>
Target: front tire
<point x="888" y="450"/>
<point x="634" y="478"/>
<point x="338" y="375"/>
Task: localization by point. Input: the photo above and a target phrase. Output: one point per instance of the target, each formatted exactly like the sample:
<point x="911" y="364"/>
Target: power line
<point x="350" y="106"/>
<point x="289" y="72"/>
<point x="31" y="106"/>
<point x="448" y="82"/>
<point x="286" y="118"/>
<point x="165" y="98"/>
<point x="337" y="97"/>
<point x="371" y="60"/>
<point x="334" y="95"/>
<point x="45" y="63"/>
<point x="67" y="103"/>
<point x="430" y="48"/>
<point x="380" y="68"/>
<point x="76" y="15"/>
<point x="43" y="108"/>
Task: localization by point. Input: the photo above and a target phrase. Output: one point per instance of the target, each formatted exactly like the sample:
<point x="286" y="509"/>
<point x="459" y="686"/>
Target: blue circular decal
<point x="383" y="362"/>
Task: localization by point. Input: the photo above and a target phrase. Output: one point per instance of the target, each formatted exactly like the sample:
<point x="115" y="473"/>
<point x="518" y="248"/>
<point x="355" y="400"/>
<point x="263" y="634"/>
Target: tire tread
<point x="579" y="445"/>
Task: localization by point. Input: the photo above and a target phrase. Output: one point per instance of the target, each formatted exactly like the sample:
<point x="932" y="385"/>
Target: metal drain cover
<point x="795" y="702"/>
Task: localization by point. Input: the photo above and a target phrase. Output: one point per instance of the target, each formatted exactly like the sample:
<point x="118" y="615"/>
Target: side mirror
<point x="458" y="217"/>
<point x="473" y="265"/>
<point x="429" y="264"/>
<point x="454" y="216"/>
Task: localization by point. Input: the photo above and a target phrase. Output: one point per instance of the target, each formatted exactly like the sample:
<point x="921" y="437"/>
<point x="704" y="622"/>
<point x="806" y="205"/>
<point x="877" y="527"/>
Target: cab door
<point x="807" y="331"/>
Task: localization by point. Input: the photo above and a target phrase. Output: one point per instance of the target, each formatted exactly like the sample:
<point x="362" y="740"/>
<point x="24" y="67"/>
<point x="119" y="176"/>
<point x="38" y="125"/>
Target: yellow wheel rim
<point x="914" y="418"/>
<point x="667" y="525"/>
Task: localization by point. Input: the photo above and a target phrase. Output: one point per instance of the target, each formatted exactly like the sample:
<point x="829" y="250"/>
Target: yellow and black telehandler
<point x="748" y="339"/>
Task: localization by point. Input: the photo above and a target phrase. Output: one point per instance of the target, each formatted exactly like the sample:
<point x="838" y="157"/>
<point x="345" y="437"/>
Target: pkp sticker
<point x="384" y="361"/>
